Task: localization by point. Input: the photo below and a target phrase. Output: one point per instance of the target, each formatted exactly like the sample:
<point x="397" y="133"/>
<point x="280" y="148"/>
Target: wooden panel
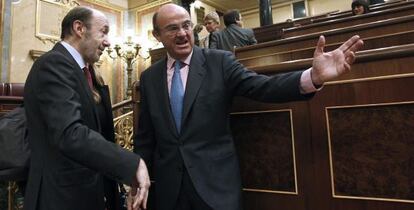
<point x="373" y="8"/>
<point x="377" y="77"/>
<point x="271" y="32"/>
<point x="267" y="157"/>
<point x="369" y="43"/>
<point x="376" y="142"/>
<point x="8" y="103"/>
<point x="349" y="21"/>
<point x="378" y="28"/>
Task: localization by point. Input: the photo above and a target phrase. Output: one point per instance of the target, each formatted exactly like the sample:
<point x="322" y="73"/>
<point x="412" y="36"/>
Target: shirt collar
<point x="75" y="54"/>
<point x="171" y="60"/>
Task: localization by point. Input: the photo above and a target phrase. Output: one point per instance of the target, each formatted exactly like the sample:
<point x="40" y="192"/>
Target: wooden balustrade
<point x="349" y="21"/>
<point x="378" y="28"/>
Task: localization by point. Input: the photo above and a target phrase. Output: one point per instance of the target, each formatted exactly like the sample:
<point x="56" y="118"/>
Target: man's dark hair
<point x="154" y="23"/>
<point x="83" y="14"/>
<point x="231" y="16"/>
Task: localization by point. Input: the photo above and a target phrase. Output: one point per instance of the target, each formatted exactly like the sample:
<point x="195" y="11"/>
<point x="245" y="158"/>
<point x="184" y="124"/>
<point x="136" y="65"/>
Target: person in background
<point x="360" y="7"/>
<point x="233" y="35"/>
<point x="73" y="156"/>
<point x="183" y="127"/>
<point x="212" y="24"/>
<point x="197" y="29"/>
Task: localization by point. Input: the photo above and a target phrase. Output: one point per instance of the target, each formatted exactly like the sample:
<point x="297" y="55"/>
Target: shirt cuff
<point x="306" y="84"/>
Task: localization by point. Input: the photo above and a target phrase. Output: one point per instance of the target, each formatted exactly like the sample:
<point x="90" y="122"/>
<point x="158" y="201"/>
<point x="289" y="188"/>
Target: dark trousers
<point x="188" y="199"/>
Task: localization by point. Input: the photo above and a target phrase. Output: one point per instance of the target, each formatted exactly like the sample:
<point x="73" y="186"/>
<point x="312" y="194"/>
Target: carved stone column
<point x="266" y="12"/>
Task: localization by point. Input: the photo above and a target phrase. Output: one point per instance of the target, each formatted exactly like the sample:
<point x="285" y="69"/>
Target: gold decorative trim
<point x="35" y="54"/>
<point x="330" y="151"/>
<point x="296" y="192"/>
<point x="271" y="191"/>
<point x="106" y="5"/>
<point x="124" y="130"/>
<point x="65" y="5"/>
<point x="150" y="5"/>
<point x="101" y="6"/>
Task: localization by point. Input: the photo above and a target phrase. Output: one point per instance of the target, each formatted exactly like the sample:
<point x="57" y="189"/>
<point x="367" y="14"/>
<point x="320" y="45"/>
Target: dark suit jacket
<point x="69" y="155"/>
<point x="112" y="194"/>
<point x="205" y="145"/>
<point x="232" y="36"/>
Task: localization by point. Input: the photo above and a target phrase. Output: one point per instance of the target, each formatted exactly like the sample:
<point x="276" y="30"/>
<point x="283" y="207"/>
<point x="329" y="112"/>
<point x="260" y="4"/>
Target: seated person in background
<point x="196" y="30"/>
<point x="212" y="24"/>
<point x="233" y="35"/>
<point x="360" y="7"/>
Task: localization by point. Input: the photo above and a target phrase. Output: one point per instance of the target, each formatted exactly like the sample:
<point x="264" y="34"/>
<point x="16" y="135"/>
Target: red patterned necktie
<point x="88" y="76"/>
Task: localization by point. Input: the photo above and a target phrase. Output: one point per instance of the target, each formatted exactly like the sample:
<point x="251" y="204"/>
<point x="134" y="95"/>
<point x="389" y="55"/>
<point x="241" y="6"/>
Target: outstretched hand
<point x="328" y="66"/>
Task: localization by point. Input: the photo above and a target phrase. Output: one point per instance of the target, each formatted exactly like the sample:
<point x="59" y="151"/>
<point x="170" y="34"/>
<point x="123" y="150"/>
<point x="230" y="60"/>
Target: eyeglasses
<point x="172" y="30"/>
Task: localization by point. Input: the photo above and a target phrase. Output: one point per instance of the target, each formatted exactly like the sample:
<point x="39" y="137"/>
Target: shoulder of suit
<point x="158" y="64"/>
<point x="53" y="56"/>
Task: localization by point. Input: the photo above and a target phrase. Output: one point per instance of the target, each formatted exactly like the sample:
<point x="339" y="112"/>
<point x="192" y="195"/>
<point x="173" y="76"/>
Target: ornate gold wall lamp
<point x="129" y="52"/>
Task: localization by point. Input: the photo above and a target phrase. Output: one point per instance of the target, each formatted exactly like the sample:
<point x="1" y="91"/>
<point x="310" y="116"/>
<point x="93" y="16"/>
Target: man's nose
<point x="181" y="32"/>
<point x="106" y="43"/>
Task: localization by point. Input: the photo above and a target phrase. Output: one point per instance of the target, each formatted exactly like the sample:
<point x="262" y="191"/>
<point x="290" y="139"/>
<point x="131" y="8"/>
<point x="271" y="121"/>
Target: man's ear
<point x="78" y="28"/>
<point x="156" y="34"/>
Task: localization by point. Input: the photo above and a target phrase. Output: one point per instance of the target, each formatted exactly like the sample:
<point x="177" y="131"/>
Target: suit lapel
<point x="195" y="77"/>
<point x="162" y="90"/>
<point x="79" y="74"/>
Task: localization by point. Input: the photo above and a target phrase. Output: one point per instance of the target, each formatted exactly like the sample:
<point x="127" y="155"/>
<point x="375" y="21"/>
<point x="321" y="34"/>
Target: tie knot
<point x="178" y="65"/>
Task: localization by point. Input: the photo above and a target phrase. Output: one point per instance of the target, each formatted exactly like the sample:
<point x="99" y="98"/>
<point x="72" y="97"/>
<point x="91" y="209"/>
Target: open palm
<point x="328" y="66"/>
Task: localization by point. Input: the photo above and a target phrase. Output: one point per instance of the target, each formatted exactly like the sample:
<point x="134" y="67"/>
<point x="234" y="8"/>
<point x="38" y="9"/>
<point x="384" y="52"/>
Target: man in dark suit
<point x="70" y="158"/>
<point x="184" y="133"/>
<point x="233" y="35"/>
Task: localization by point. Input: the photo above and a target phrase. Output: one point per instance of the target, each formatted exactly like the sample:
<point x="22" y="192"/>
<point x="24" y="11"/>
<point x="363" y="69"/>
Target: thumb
<point x="319" y="46"/>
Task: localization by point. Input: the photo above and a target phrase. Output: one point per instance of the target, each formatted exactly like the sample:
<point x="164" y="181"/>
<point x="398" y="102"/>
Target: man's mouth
<point x="181" y="42"/>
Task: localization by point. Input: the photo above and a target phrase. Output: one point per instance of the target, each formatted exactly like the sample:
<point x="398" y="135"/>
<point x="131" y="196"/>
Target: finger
<point x="129" y="205"/>
<point x="357" y="46"/>
<point x="319" y="46"/>
<point x="350" y="57"/>
<point x="349" y="43"/>
<point x="145" y="200"/>
<point x="138" y="199"/>
<point x="129" y="202"/>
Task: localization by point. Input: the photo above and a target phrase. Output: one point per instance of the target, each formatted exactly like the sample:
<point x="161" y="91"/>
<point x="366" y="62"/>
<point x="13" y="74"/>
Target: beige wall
<point x="23" y="23"/>
<point x="23" y="40"/>
<point x="136" y="3"/>
<point x="328" y="6"/>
